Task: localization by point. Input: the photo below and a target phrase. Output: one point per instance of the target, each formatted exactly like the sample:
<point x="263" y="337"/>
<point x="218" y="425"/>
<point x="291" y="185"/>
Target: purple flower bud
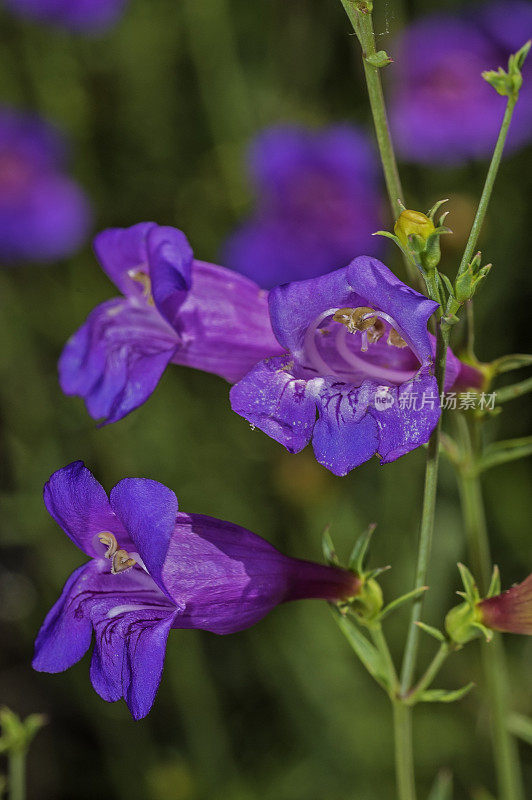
<point x="510" y="611"/>
<point x="44" y="214"/>
<point x="317" y="204"/>
<point x="151" y="569"/>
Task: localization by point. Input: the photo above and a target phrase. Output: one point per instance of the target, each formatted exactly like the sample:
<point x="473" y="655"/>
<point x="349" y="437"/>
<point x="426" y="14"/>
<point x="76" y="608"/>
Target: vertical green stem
<point x="427" y="521"/>
<point x="17" y="774"/>
<point x="363" y="26"/>
<point x="488" y="185"/>
<point x="404" y="756"/>
<point x="493" y="660"/>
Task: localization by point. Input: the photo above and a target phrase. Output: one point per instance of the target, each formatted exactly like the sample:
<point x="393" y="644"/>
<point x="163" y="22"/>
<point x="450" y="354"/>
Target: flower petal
<point x="122" y="249"/>
<point x="80" y="506"/>
<point x="345" y="435"/>
<point x="115" y="360"/>
<point x="170" y="260"/>
<point x="224" y="323"/>
<point x="409" y="421"/>
<point x="148" y="511"/>
<point x="271" y="398"/>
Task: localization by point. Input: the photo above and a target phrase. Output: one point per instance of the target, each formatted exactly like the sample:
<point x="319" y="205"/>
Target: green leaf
<point x="329" y="553"/>
<point x="505" y="451"/>
<point x="510" y="362"/>
<point x="520" y="726"/>
<point x="400" y="601"/>
<point x="358" y="554"/>
<point x="442" y="788"/>
<point x="366" y="652"/>
<point x="445" y="695"/>
<point x="431" y="631"/>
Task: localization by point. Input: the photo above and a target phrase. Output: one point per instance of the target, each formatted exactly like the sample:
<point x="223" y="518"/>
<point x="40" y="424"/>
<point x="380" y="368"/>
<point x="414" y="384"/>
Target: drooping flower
<point x="174" y="310"/>
<point x="151" y="569"/>
<point x="510" y="611"/>
<point x="359" y="356"/>
<point x="44" y="214"/>
<point x="76" y="15"/>
<point x="317" y="204"/>
<point x="442" y="110"/>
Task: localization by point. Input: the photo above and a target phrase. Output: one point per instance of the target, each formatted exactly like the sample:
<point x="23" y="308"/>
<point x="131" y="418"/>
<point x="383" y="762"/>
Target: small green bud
<point x="379" y="59"/>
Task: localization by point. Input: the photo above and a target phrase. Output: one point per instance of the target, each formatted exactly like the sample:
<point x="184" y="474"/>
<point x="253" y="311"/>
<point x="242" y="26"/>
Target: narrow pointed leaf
<point x="400" y="601"/>
<point x="445" y="695"/>
<point x="431" y="631"/>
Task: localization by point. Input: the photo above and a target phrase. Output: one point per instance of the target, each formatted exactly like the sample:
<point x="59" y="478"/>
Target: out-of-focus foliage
<point x="160" y="111"/>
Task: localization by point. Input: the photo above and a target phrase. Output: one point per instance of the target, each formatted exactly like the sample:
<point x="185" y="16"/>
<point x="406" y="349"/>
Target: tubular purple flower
<point x="44" y="214"/>
<point x="76" y="15"/>
<point x="317" y="203"/>
<point x="151" y="569"/>
<point x="174" y="310"/>
<point x="511" y="611"/>
<point x="359" y="357"/>
<point x="442" y="110"/>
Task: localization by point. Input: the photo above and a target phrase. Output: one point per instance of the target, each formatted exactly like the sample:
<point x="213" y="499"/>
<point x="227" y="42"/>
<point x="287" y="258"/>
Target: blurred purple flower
<point x="152" y="569"/>
<point x="318" y="204"/>
<point x="76" y="15"/>
<point x="442" y="109"/>
<point x="44" y="214"/>
<point x="357" y="354"/>
<point x="174" y="310"/>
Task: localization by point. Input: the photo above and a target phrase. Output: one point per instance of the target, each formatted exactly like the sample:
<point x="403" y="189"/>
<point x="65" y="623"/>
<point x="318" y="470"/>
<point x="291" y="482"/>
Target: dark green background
<point x="159" y="111"/>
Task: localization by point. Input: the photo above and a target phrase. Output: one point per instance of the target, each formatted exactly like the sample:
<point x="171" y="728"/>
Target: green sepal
<point x="329" y="552"/>
<point x="495" y="583"/>
<point x="442" y="788"/>
<point x="360" y="549"/>
<point x="400" y="601"/>
<point x="434" y="632"/>
<point x="379" y="59"/>
<point x="445" y="695"/>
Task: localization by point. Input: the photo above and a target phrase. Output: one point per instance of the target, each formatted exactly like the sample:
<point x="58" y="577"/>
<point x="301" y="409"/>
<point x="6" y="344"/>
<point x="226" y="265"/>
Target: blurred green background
<point x="160" y="111"/>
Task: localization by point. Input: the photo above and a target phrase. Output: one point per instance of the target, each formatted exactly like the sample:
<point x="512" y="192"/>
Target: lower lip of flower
<point x="318" y="361"/>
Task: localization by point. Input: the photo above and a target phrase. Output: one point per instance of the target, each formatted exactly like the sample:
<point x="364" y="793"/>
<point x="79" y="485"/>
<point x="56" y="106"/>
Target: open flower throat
<point x="335" y="338"/>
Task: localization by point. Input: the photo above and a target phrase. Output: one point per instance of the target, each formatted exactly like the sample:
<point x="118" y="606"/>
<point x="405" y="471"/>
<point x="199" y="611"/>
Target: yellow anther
<point x="122" y="561"/>
<point x="395" y="339"/>
<point x="109" y="541"/>
<point x="353" y="318"/>
<point x="142" y="277"/>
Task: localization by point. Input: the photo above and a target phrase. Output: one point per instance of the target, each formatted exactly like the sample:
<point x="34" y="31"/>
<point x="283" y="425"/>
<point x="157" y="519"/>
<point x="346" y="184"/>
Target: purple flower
<point x="442" y="109"/>
<point x="44" y="215"/>
<point x="76" y="15"/>
<point x="152" y="569"/>
<point x="318" y="203"/>
<point x="359" y="356"/>
<point x="174" y="310"/>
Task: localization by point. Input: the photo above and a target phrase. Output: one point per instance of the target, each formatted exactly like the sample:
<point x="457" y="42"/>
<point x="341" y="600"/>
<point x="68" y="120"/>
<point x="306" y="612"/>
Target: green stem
<point x="493" y="659"/>
<point x="488" y="185"/>
<point x="363" y="26"/>
<point x="432" y="670"/>
<point x="17" y="774"/>
<point x="427" y="521"/>
<point x="404" y="756"/>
